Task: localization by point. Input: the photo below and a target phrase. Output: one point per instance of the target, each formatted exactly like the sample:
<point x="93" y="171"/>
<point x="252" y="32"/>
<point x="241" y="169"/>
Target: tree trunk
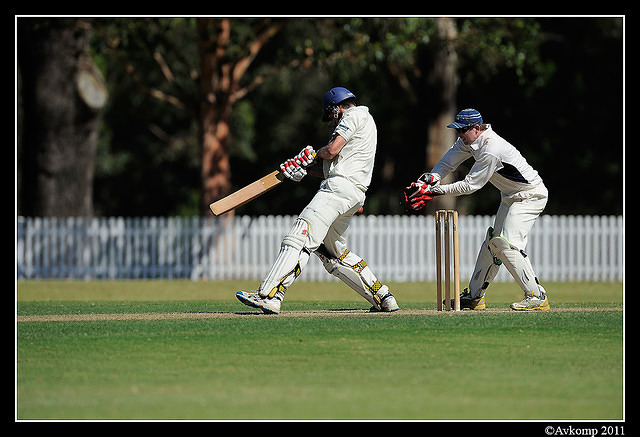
<point x="220" y="87"/>
<point x="444" y="77"/>
<point x="216" y="170"/>
<point x="214" y="109"/>
<point x="63" y="94"/>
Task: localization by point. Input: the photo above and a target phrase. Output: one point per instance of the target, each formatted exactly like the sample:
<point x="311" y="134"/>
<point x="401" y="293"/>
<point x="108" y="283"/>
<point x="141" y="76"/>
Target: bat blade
<point x="247" y="194"/>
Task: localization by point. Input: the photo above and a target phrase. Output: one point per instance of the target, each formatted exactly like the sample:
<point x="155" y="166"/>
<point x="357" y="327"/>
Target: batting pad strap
<point x="343" y="256"/>
<point x="353" y="271"/>
<point x="291" y="259"/>
<point x="360" y="266"/>
<point x="286" y="279"/>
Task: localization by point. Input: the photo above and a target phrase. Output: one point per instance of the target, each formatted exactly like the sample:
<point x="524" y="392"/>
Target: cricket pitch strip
<point x="289" y="314"/>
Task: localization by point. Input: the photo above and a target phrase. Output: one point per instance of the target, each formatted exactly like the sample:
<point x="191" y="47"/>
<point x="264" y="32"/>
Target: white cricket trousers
<point x="517" y="215"/>
<point x="324" y="220"/>
<point x="329" y="214"/>
<point x="514" y="220"/>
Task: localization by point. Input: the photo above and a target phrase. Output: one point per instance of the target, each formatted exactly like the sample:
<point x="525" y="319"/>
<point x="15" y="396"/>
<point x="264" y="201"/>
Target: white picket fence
<point x="398" y="248"/>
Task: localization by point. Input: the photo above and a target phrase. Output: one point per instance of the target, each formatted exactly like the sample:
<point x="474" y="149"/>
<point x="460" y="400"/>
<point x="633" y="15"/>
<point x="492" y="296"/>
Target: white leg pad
<point x="291" y="259"/>
<point x="517" y="263"/>
<point x="353" y="271"/>
<point x="485" y="270"/>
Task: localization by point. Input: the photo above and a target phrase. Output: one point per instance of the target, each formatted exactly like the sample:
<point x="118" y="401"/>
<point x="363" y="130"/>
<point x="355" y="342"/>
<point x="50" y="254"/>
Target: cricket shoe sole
<point x="388" y="305"/>
<point x="268" y="306"/>
<point x="532" y="304"/>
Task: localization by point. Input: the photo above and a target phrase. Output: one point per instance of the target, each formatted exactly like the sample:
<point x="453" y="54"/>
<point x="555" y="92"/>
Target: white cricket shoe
<point x="532" y="303"/>
<point x="267" y="305"/>
<point x="388" y="303"/>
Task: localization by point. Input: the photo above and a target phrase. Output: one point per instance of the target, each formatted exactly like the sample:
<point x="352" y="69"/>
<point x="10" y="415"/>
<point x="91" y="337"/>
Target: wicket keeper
<point x="523" y="198"/>
<point x="346" y="166"/>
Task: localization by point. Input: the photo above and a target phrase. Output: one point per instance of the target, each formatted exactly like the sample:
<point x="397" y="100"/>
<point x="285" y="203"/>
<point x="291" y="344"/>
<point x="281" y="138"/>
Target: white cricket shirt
<point x="355" y="160"/>
<point x="497" y="161"/>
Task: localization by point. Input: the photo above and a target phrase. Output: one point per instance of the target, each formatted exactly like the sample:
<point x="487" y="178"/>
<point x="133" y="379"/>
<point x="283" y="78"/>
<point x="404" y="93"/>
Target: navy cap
<point x="465" y="118"/>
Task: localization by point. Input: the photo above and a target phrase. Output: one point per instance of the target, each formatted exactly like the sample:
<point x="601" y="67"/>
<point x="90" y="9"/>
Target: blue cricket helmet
<point x="332" y="98"/>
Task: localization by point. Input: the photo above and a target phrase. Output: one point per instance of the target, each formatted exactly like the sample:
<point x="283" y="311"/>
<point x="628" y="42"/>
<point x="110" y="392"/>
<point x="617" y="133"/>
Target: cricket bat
<point x="248" y="193"/>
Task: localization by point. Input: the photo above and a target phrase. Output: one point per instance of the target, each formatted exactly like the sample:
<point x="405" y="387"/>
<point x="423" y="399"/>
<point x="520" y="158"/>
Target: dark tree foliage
<point x="551" y="86"/>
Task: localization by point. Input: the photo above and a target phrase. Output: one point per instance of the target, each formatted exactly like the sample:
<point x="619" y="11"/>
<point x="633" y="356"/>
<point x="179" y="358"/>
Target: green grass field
<point x="202" y="355"/>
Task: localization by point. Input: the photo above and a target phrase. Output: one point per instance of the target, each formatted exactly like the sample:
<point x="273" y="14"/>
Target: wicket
<point x="447" y="230"/>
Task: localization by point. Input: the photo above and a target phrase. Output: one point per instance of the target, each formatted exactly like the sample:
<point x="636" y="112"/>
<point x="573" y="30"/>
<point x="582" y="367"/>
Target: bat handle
<point x="314" y="155"/>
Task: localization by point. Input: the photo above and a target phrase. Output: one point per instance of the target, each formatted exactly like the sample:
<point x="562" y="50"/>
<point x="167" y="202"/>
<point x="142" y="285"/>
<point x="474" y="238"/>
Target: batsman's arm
<point x="332" y="149"/>
<point x="315" y="170"/>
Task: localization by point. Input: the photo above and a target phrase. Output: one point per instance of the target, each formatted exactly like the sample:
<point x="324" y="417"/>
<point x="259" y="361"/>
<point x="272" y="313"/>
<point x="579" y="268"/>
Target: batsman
<point x="523" y="198"/>
<point x="346" y="166"/>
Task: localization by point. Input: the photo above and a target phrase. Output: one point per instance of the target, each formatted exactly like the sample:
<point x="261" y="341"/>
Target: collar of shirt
<point x="479" y="142"/>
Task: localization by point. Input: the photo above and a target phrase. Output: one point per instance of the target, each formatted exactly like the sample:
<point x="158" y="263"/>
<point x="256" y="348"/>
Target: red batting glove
<point x="293" y="170"/>
<point x="306" y="157"/>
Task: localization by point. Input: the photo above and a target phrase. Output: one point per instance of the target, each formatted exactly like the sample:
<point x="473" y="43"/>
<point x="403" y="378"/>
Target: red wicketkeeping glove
<point x="419" y="193"/>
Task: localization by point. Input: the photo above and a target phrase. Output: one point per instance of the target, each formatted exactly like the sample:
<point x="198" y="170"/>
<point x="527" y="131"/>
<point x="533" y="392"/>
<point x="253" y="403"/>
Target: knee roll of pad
<point x="516" y="262"/>
<point x="298" y="235"/>
<point x="499" y="244"/>
<point x="353" y="271"/>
